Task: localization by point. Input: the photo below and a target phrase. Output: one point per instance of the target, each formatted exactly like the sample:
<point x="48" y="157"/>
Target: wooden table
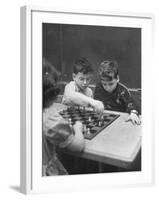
<point x="118" y="144"/>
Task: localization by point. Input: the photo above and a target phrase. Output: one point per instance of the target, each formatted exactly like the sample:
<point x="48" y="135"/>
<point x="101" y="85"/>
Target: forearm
<point x="78" y="141"/>
<point x="77" y="144"/>
<point x="77" y="98"/>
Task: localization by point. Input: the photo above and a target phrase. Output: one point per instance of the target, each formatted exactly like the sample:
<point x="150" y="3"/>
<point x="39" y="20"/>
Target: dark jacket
<point x="119" y="100"/>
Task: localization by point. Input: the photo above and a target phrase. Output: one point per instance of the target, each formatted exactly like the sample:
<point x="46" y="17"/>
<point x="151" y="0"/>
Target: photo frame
<point x="32" y="180"/>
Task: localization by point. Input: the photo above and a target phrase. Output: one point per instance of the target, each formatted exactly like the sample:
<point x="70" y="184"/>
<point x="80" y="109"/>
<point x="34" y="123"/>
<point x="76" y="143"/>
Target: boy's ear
<point x="118" y="79"/>
<point x="73" y="76"/>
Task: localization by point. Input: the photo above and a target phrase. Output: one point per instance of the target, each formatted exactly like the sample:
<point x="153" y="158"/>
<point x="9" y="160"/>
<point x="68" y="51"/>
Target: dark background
<point x="63" y="44"/>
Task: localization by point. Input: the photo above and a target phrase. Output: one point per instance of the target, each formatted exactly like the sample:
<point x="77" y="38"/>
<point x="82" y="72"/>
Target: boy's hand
<point x="78" y="142"/>
<point x="98" y="106"/>
<point x="134" y="119"/>
<point x="78" y="126"/>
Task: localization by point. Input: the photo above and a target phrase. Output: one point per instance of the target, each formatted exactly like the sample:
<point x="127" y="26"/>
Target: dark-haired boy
<point x="114" y="94"/>
<point x="77" y="91"/>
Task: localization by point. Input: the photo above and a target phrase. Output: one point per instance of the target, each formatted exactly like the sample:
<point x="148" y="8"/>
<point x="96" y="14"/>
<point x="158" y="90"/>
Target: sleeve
<point x="125" y="97"/>
<point x="90" y="93"/>
<point x="71" y="96"/>
<point x="67" y="92"/>
<point x="60" y="135"/>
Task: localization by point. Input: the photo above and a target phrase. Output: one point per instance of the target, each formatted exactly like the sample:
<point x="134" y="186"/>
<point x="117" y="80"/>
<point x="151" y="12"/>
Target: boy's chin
<point x="83" y="88"/>
<point x="109" y="91"/>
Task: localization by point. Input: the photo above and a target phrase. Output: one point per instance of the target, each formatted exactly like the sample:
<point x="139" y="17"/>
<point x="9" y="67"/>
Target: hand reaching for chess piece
<point x="98" y="106"/>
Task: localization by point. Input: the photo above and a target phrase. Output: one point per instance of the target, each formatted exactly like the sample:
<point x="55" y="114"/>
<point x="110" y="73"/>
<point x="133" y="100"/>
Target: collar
<point x="79" y="89"/>
<point x="111" y="92"/>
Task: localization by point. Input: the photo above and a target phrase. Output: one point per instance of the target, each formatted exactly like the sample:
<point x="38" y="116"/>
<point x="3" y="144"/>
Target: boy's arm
<point x="131" y="107"/>
<point x="71" y="96"/>
<point x="78" y="142"/>
<point x="64" y="136"/>
<point x="77" y="98"/>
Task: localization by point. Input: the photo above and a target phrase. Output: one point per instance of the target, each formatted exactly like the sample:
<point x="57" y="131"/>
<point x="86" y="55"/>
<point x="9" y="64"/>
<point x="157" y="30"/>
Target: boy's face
<point x="82" y="80"/>
<point x="108" y="85"/>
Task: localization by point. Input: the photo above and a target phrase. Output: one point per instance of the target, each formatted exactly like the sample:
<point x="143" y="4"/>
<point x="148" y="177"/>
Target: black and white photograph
<point x="85" y="87"/>
<point x="91" y="99"/>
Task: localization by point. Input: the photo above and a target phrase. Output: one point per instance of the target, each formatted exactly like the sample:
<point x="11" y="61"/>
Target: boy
<point x="77" y="91"/>
<point x="56" y="131"/>
<point x="112" y="93"/>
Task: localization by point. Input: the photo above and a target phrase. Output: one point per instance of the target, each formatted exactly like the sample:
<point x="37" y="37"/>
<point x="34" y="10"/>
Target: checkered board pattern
<point x="92" y="123"/>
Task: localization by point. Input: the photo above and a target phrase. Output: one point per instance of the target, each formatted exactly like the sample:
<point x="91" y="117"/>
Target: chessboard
<point x="93" y="124"/>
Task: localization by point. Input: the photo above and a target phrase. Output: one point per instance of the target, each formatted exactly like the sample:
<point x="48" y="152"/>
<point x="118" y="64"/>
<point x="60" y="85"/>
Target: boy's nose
<point x="85" y="81"/>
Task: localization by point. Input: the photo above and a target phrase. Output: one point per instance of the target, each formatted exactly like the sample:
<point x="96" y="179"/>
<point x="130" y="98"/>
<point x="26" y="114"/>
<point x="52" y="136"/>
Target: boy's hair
<point x="108" y="69"/>
<point x="50" y="83"/>
<point x="82" y="65"/>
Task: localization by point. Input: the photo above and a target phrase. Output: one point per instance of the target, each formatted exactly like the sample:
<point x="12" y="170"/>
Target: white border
<point x="31" y="76"/>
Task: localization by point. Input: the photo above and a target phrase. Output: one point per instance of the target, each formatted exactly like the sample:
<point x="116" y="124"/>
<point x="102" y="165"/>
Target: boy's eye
<point x="110" y="84"/>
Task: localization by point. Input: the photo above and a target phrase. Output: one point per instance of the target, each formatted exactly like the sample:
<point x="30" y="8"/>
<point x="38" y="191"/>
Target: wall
<point x="63" y="44"/>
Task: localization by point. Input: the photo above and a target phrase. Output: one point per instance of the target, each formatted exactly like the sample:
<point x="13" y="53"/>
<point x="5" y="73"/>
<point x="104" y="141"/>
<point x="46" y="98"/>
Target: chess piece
<point x="70" y="124"/>
<point x="88" y="131"/>
<point x="84" y="128"/>
<point x="101" y="120"/>
<point x="70" y="121"/>
<point x="99" y="123"/>
<point x="89" y="119"/>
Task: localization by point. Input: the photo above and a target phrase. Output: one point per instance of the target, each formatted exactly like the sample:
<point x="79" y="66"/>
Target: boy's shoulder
<point x="71" y="83"/>
<point x="51" y="117"/>
<point x="122" y="87"/>
<point x="71" y="86"/>
<point x="51" y="113"/>
<point x="89" y="92"/>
